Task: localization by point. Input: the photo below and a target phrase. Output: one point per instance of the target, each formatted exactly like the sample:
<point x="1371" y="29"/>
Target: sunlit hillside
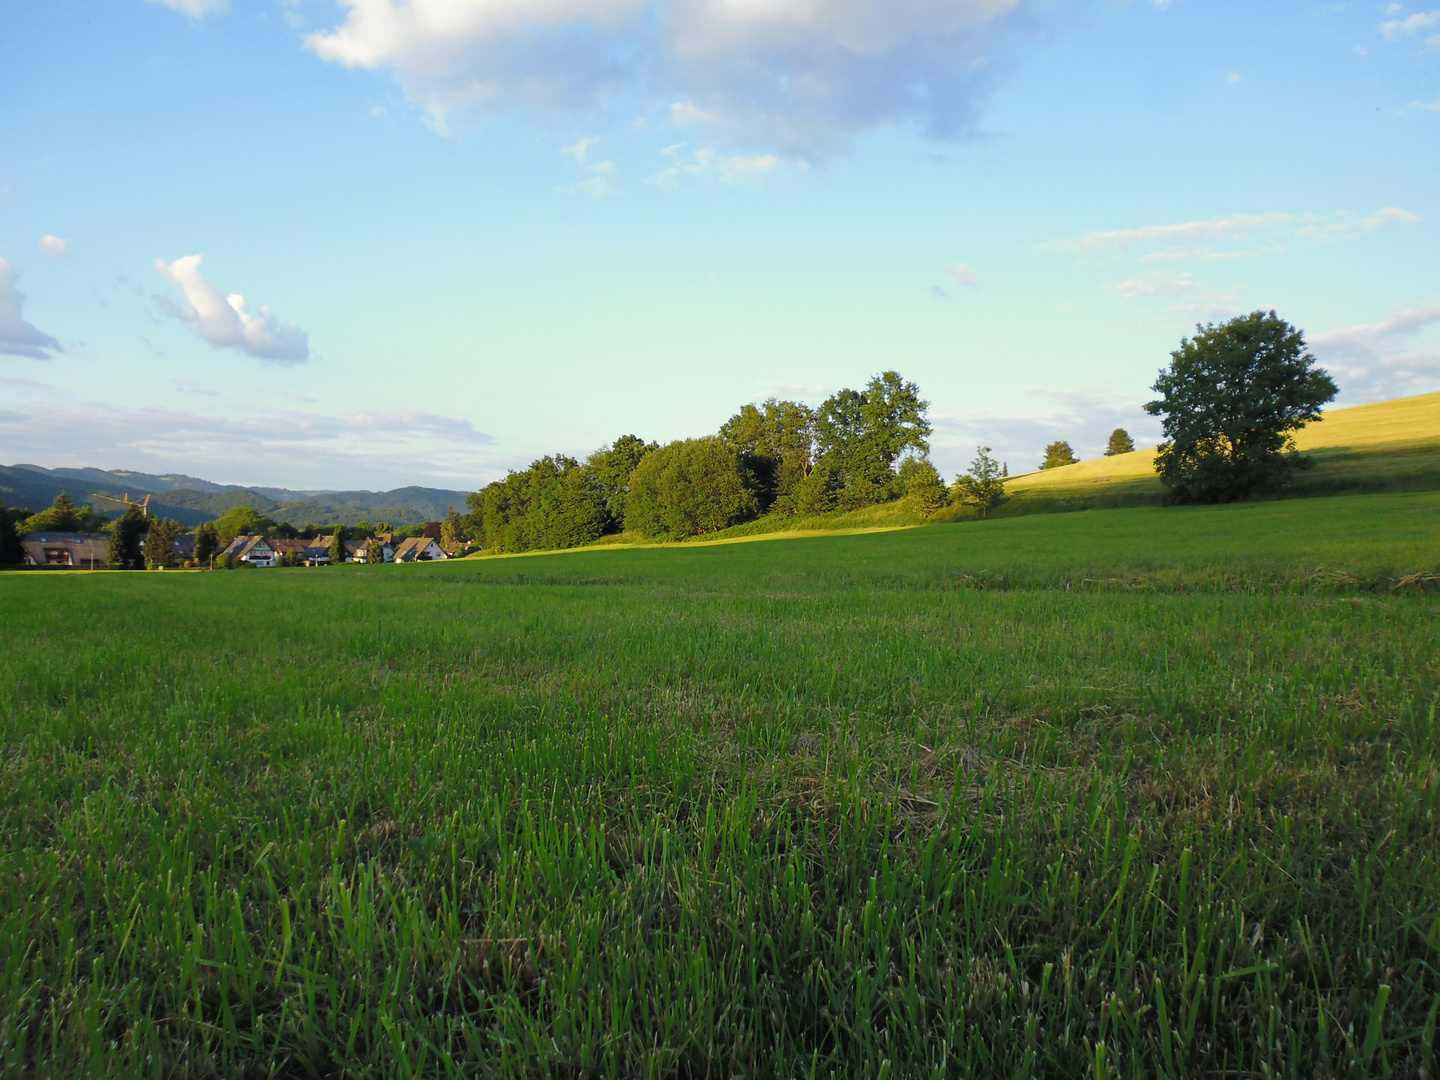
<point x="1388" y="445"/>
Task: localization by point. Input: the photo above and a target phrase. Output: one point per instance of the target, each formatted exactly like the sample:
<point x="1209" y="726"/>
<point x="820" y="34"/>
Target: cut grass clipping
<point x="1122" y="794"/>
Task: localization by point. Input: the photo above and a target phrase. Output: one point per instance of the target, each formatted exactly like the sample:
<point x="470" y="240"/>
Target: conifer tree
<point x="1120" y="443"/>
<point x="125" y="534"/>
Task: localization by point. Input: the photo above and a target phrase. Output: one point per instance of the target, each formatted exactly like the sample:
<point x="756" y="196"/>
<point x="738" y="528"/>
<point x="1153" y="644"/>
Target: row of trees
<point x="860" y="447"/>
<point x="1060" y="452"/>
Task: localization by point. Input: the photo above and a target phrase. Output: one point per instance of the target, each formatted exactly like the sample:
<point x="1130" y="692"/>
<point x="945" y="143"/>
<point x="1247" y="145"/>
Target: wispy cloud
<point x="18" y="337"/>
<point x="1387" y="358"/>
<point x="196" y="9"/>
<point x="227" y="322"/>
<point x="1184" y="234"/>
<point x="963" y="275"/>
<point x="292" y="448"/>
<point x="708" y="163"/>
<point x="796" y="78"/>
<point x="599" y="185"/>
<point x="1154" y="285"/>
<point x="55" y="247"/>
<point x="1195" y="239"/>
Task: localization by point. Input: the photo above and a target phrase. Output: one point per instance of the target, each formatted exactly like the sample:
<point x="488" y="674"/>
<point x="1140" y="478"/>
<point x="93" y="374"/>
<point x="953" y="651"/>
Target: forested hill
<point x="191" y="501"/>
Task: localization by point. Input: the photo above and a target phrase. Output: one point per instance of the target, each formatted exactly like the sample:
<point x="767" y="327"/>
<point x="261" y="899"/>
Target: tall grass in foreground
<point x="1128" y="796"/>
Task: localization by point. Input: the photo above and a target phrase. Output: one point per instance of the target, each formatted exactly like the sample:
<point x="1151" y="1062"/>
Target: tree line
<point x="857" y="449"/>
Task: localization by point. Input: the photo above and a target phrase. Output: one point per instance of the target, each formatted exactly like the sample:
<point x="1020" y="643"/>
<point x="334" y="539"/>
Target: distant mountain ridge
<point x="191" y="500"/>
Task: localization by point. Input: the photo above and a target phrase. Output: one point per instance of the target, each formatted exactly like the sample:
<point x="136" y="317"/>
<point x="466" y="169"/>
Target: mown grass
<point x="1128" y="793"/>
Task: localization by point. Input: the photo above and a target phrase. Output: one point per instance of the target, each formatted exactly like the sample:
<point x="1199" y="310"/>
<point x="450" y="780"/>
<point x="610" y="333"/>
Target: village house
<point x="255" y="550"/>
<point x="419" y="549"/>
<point x="314" y="552"/>
<point x="89" y="551"/>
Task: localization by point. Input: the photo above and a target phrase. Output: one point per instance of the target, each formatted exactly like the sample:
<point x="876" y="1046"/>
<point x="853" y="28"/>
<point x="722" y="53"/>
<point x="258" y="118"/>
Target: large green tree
<point x="62" y="515"/>
<point x="690" y="487"/>
<point x="160" y="543"/>
<point x="241" y="521"/>
<point x="207" y="543"/>
<point x="778" y="440"/>
<point x="609" y="471"/>
<point x="1229" y="400"/>
<point x="336" y="549"/>
<point x="126" y="532"/>
<point x="10" y="550"/>
<point x="555" y="503"/>
<point x="452" y="529"/>
<point x="865" y="432"/>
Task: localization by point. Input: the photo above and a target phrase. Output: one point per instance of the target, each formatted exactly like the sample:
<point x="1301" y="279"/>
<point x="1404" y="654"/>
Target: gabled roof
<point x="242" y="545"/>
<point x="412" y="547"/>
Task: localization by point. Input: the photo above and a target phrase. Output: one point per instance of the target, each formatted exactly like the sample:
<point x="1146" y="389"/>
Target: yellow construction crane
<point x="144" y="503"/>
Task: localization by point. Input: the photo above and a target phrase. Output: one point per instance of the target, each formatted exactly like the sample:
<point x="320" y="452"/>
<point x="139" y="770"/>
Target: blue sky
<point x="470" y="232"/>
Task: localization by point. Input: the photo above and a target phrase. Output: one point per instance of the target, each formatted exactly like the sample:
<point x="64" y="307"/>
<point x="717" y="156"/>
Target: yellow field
<point x="1346" y="443"/>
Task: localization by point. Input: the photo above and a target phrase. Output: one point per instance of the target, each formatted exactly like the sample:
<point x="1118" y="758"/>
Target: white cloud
<point x="196" y="9"/>
<point x="55" y="246"/>
<point x="1230" y="229"/>
<point x="797" y="76"/>
<point x="963" y="275"/>
<point x="1234" y="77"/>
<point x="1348" y="227"/>
<point x="18" y="337"/>
<point x="1416" y="25"/>
<point x="1155" y="285"/>
<point x="227" y="322"/>
<point x="1384" y="359"/>
<point x="1428" y="106"/>
<point x="707" y="163"/>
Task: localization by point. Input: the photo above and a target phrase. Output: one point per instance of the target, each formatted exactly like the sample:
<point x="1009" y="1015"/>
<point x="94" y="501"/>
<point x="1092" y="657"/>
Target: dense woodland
<point x="860" y="447"/>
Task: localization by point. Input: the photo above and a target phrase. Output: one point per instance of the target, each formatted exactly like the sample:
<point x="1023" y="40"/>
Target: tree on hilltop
<point x="1230" y="399"/>
<point x="1058" y="453"/>
<point x="1120" y="443"/>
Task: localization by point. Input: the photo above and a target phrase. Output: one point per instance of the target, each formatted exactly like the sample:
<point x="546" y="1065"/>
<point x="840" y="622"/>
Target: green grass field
<point x="1122" y="793"/>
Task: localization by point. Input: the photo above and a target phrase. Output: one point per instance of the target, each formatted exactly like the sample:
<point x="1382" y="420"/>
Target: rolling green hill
<point x="1386" y="446"/>
<point x="191" y="501"/>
